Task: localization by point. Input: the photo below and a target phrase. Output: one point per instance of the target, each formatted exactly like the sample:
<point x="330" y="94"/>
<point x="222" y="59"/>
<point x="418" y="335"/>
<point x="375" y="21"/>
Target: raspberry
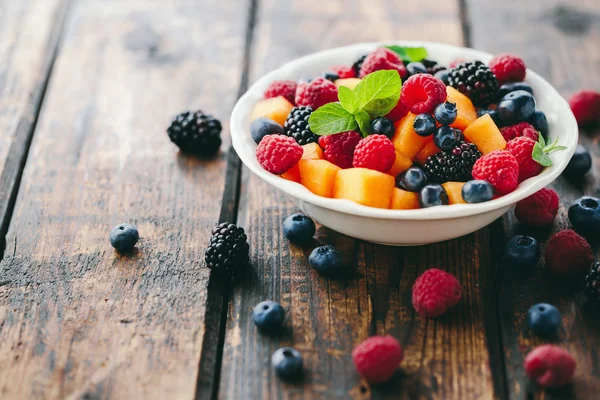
<point x="508" y="68"/>
<point x="522" y="149"/>
<point x="435" y="292"/>
<point x="455" y="63"/>
<point x="421" y="93"/>
<point x="550" y="366"/>
<point x="377" y="358"/>
<point x="316" y="93"/>
<point x="539" y="209"/>
<point x="339" y="148"/>
<point x="397" y="112"/>
<point x="585" y="105"/>
<point x="567" y="253"/>
<point x="374" y="152"/>
<point x="278" y="153"/>
<point x="382" y="59"/>
<point x="500" y="168"/>
<point x="286" y="89"/>
<point x="343" y="71"/>
<point x="520" y="129"/>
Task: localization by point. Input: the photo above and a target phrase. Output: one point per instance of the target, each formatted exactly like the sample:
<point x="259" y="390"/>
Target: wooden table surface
<point x="87" y="89"/>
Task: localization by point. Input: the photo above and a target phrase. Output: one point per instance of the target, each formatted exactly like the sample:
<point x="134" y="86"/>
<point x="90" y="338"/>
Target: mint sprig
<point x="375" y="96"/>
<point x="409" y="54"/>
<point x="541" y="151"/>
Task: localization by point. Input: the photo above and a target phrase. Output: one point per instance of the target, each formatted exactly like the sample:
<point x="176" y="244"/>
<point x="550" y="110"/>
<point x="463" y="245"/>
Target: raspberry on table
<point x="500" y="168"/>
<point x="550" y="366"/>
<point x="339" y="148"/>
<point x="508" y="68"/>
<point x="374" y="152"/>
<point x="585" y="105"/>
<point x="522" y="149"/>
<point x="422" y="93"/>
<point x="343" y="71"/>
<point x="316" y="93"/>
<point x="518" y="130"/>
<point x="435" y="292"/>
<point x="382" y="59"/>
<point x="567" y="253"/>
<point x="377" y="358"/>
<point x="278" y="153"/>
<point x="285" y="88"/>
<point x="539" y="209"/>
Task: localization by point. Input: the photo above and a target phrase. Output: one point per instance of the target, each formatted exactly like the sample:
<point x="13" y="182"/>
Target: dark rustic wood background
<point x="87" y="89"/>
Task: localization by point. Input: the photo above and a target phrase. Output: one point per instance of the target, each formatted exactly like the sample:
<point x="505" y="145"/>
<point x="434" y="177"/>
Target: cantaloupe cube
<point x="454" y="191"/>
<point x="485" y="134"/>
<point x="318" y="176"/>
<point x="364" y="186"/>
<point x="276" y="108"/>
<point x="466" y="112"/>
<point x="401" y="164"/>
<point x="429" y="150"/>
<point x="403" y="200"/>
<point x="293" y="174"/>
<point x="406" y="140"/>
<point x="350" y="83"/>
<point x="312" y="151"/>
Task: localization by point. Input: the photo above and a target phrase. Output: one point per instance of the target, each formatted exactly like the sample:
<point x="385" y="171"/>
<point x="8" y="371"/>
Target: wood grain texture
<point x="560" y="41"/>
<point x="78" y="320"/>
<point x="444" y="359"/>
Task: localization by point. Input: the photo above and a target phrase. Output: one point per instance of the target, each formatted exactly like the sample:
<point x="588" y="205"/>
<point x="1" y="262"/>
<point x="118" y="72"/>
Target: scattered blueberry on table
<point x="522" y="253"/>
<point x="123" y="237"/>
<point x="328" y="261"/>
<point x="268" y="316"/>
<point x="544" y="319"/>
<point x="299" y="229"/>
<point x="584" y="215"/>
<point x="287" y="363"/>
<point x="580" y="164"/>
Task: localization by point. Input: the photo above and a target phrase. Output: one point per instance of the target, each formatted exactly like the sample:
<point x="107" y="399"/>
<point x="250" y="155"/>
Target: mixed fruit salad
<point x="398" y="130"/>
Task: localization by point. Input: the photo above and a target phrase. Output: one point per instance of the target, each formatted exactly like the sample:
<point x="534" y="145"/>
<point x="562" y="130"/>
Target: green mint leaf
<point x="348" y="99"/>
<point x="379" y="108"/>
<point x="330" y="119"/>
<point x="409" y="54"/>
<point x="364" y="122"/>
<point x="540" y="156"/>
<point x="378" y="92"/>
<point x="541" y="139"/>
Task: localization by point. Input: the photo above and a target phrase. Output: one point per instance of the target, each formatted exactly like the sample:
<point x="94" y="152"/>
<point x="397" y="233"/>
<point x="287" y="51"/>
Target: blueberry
<point x="424" y="125"/>
<point x="445" y="113"/>
<point x="584" y="216"/>
<point x="327" y="260"/>
<point x="580" y="163"/>
<point x="443" y="75"/>
<point x="415" y="67"/>
<point x="493" y="113"/>
<point x="477" y="191"/>
<point x="515" y="107"/>
<point x="268" y="316"/>
<point x="433" y="195"/>
<point x="460" y="137"/>
<point x="539" y="121"/>
<point x="331" y="76"/>
<point x="444" y="138"/>
<point x="383" y="126"/>
<point x="123" y="237"/>
<point x="412" y="180"/>
<point x="287" y="363"/>
<point x="544" y="319"/>
<point x="262" y="127"/>
<point x="522" y="252"/>
<point x="512" y="87"/>
<point x="299" y="229"/>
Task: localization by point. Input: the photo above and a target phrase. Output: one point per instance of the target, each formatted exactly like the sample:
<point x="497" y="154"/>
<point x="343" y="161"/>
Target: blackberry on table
<point x="452" y="165"/>
<point x="476" y="81"/>
<point x="227" y="252"/>
<point x="357" y="64"/>
<point x="196" y="132"/>
<point x="592" y="283"/>
<point x="296" y="125"/>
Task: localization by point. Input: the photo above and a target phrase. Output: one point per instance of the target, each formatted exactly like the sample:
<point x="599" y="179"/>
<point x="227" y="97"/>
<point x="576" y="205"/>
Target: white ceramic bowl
<point x="401" y="227"/>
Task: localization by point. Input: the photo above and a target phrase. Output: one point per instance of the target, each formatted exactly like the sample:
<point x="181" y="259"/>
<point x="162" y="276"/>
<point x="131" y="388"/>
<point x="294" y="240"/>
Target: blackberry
<point x="592" y="283"/>
<point x="357" y="64"/>
<point x="227" y="252"/>
<point x="196" y="132"/>
<point x="297" y="127"/>
<point x="452" y="165"/>
<point x="476" y="81"/>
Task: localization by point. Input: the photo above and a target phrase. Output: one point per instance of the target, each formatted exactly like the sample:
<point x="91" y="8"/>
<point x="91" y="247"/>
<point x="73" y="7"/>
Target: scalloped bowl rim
<point x="240" y="134"/>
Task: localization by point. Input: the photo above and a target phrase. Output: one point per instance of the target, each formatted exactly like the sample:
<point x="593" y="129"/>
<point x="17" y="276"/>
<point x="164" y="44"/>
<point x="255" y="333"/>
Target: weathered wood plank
<point x="559" y="41"/>
<point x="77" y="319"/>
<point x="326" y="319"/>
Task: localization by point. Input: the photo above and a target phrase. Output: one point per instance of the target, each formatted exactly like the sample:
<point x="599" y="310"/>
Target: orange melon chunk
<point x="312" y="151"/>
<point x="466" y="112"/>
<point x="454" y="191"/>
<point x="276" y="108"/>
<point x="429" y="150"/>
<point x="406" y="140"/>
<point x="350" y="83"/>
<point x="293" y="174"/>
<point x="364" y="186"/>
<point x="485" y="134"/>
<point x="403" y="200"/>
<point x="400" y="165"/>
<point x="318" y="176"/>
